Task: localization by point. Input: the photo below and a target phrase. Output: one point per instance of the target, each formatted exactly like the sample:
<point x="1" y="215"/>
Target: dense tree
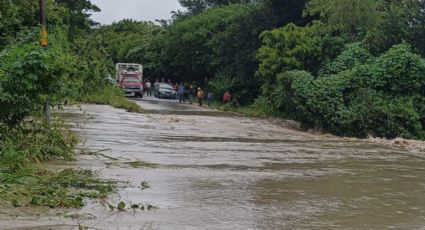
<point x="364" y="90"/>
<point x="353" y="17"/>
<point x="293" y="47"/>
<point x="19" y="15"/>
<point x="219" y="41"/>
<point x="197" y="6"/>
<point x="379" y="97"/>
<point x="78" y="15"/>
<point x="274" y="12"/>
<point x="30" y="76"/>
<point x="189" y="46"/>
<point x="280" y="12"/>
<point x="8" y="22"/>
<point x="417" y="24"/>
<point x="126" y="40"/>
<point x="402" y="21"/>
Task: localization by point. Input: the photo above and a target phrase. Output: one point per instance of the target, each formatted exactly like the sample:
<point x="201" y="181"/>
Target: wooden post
<point x="43" y="23"/>
<point x="44" y="43"/>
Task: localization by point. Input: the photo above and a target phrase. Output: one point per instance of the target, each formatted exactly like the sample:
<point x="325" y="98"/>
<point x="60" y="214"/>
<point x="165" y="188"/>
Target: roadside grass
<point x="35" y="141"/>
<point x="35" y="185"/>
<point x="24" y="175"/>
<point x="111" y="96"/>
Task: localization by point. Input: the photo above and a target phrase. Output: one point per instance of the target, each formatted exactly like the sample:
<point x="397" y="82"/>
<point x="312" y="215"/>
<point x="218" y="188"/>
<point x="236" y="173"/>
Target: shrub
<point x="219" y="84"/>
<point x="31" y="76"/>
<point x="399" y="72"/>
<point x="35" y="141"/>
<point x="382" y="97"/>
<point x="353" y="55"/>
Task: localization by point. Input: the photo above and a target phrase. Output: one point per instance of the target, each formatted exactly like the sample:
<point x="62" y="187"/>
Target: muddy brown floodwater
<point x="217" y="171"/>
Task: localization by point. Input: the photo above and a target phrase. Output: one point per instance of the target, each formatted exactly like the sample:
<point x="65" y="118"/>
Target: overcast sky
<point x="148" y="10"/>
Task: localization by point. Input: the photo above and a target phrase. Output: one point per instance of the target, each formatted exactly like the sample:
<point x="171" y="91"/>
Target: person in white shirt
<point x="148" y="88"/>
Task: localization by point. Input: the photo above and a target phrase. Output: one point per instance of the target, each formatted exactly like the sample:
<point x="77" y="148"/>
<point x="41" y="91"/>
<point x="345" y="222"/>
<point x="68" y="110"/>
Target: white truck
<point x="130" y="78"/>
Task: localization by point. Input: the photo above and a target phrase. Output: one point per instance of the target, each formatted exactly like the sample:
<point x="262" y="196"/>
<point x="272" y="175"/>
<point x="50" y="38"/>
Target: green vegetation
<point x="33" y="79"/>
<point x="329" y="75"/>
<point x="38" y="186"/>
<point x="35" y="141"/>
<point x="25" y="179"/>
<point x="111" y="96"/>
<point x="349" y="67"/>
<point x="127" y="39"/>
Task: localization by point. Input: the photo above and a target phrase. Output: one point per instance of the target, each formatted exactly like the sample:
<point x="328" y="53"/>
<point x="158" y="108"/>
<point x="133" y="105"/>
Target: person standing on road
<point x="176" y="87"/>
<point x="200" y="96"/>
<point x="191" y="93"/>
<point x="181" y="93"/>
<point x="227" y="97"/>
<point x="210" y="97"/>
<point x="156" y="87"/>
<point x="148" y="88"/>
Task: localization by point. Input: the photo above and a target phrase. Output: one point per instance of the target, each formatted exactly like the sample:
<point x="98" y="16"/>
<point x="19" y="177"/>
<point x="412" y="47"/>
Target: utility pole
<point x="43" y="23"/>
<point x="43" y="43"/>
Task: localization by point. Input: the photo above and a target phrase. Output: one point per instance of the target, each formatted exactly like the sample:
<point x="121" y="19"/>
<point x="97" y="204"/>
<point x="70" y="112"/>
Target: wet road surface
<point x="217" y="171"/>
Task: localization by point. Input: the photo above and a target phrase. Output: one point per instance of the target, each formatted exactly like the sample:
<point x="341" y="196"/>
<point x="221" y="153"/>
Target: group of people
<point x="148" y="89"/>
<point x="191" y="91"/>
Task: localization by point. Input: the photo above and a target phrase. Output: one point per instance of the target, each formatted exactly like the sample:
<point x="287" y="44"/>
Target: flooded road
<point x="209" y="170"/>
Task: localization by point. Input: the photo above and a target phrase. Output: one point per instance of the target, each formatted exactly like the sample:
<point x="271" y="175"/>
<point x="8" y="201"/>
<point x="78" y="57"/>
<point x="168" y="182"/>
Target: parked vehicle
<point x="165" y="91"/>
<point x="130" y="78"/>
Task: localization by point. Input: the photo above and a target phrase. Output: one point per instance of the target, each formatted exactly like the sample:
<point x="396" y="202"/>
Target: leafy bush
<point x="383" y="97"/>
<point x="399" y="72"/>
<point x="265" y="106"/>
<point x="294" y="47"/>
<point x="354" y="54"/>
<point x="31" y="76"/>
<point x="219" y="84"/>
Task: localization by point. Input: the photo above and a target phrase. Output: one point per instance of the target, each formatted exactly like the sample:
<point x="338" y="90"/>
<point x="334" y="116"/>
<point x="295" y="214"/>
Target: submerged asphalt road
<point x="218" y="171"/>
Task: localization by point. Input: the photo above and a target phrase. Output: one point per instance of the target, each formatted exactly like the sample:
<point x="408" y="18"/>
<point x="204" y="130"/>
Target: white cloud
<point x="147" y="10"/>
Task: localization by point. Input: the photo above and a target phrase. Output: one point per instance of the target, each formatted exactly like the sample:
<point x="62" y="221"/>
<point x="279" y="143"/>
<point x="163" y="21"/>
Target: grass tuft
<point x="40" y="187"/>
<point x="24" y="179"/>
<point x="35" y="141"/>
<point x="111" y="96"/>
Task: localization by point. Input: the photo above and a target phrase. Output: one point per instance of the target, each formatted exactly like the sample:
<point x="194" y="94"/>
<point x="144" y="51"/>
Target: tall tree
<point x="401" y="21"/>
<point x="78" y="17"/>
<point x="125" y="40"/>
<point x="197" y="6"/>
<point x="352" y="17"/>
